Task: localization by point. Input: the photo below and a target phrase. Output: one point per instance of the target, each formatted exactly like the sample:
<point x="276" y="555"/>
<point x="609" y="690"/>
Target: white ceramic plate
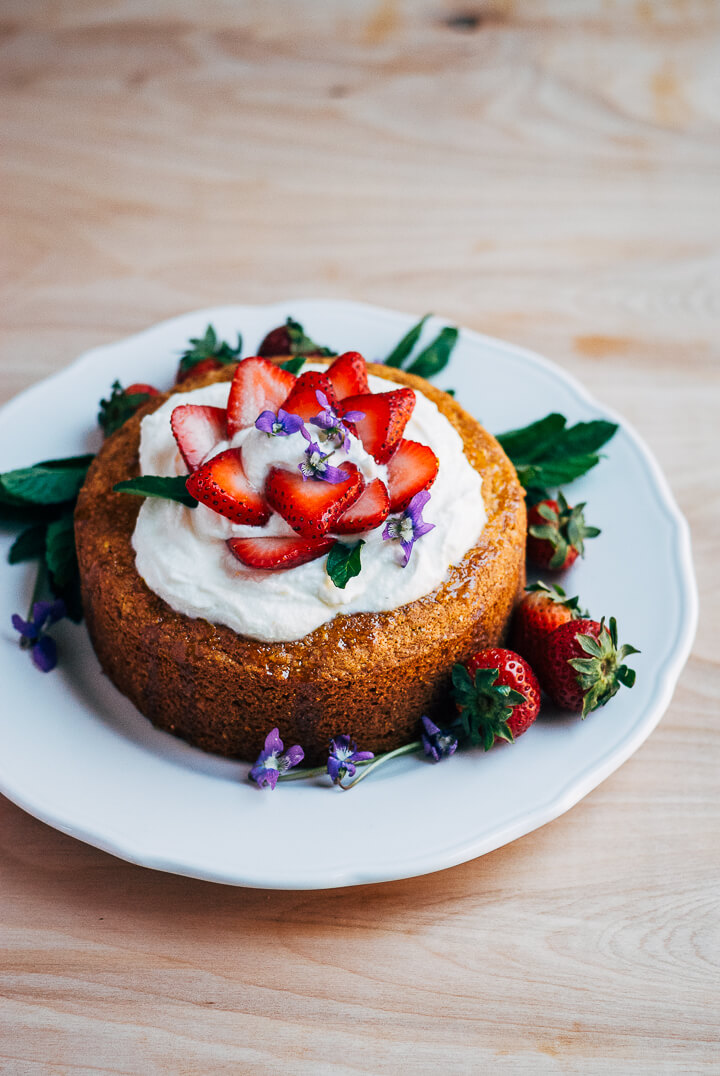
<point x="76" y="754"/>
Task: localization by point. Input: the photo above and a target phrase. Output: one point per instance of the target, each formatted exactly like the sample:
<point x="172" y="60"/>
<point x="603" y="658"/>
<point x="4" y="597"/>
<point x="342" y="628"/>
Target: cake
<point x="370" y="672"/>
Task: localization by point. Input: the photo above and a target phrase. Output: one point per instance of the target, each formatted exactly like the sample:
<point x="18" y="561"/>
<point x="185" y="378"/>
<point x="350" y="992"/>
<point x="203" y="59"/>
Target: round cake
<point x="370" y="674"/>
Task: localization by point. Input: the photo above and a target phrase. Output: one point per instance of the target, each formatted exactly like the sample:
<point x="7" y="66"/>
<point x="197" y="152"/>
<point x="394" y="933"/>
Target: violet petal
<point x="26" y="628"/>
<point x="293" y="756"/>
<point x="265" y="421"/>
<point x="44" y="653"/>
<point x="273" y="742"/>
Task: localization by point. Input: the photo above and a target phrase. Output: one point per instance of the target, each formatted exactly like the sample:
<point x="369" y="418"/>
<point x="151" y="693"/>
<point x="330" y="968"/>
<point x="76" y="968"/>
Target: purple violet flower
<point x="437" y="743"/>
<point x="315" y="466"/>
<point x="410" y="526"/>
<point x="282" y="424"/>
<point x="32" y="632"/>
<point x="332" y="425"/>
<point x="271" y="762"/>
<point x="343" y="755"/>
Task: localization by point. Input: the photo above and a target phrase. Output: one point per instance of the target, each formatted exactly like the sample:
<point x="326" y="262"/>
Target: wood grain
<point x="548" y="173"/>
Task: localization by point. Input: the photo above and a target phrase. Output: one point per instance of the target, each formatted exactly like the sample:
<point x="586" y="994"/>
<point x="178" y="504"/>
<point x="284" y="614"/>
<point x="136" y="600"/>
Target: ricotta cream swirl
<point x="182" y="555"/>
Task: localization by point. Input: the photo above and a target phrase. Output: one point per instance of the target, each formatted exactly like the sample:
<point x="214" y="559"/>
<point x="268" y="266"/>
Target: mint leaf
<point x="68" y="461"/>
<point x="29" y="544"/>
<point x="42" y="484"/>
<point x="343" y="562"/>
<point x="527" y="443"/>
<point x="294" y="365"/>
<point x="436" y="355"/>
<point x="554" y="473"/>
<point x="585" y="438"/>
<point x="403" y="348"/>
<point x="547" y="454"/>
<point x="60" y="550"/>
<point x="171" y="489"/>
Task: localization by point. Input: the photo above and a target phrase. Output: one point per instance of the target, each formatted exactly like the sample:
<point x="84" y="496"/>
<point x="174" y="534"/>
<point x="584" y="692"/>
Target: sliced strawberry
<point x="370" y="510"/>
<point x="311" y="506"/>
<point x="413" y="467"/>
<point x="259" y="385"/>
<point x="197" y="428"/>
<point x="348" y="374"/>
<point x="222" y="485"/>
<point x="386" y="416"/>
<point x="271" y="554"/>
<point x="302" y="400"/>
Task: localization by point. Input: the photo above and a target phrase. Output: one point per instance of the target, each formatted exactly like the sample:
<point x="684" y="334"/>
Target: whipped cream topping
<point x="182" y="555"/>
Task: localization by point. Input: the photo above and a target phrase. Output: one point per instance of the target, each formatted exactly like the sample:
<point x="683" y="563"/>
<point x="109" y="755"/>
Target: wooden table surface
<point x="545" y="172"/>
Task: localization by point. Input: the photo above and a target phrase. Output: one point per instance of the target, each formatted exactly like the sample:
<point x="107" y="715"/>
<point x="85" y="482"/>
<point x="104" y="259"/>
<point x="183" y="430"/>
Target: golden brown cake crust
<point x="371" y="675"/>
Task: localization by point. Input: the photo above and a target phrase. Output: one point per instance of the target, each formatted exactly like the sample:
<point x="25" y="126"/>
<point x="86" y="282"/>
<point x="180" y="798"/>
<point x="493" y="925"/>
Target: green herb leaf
<point x="554" y="472"/>
<point x="529" y="442"/>
<point x="294" y="365"/>
<point x="209" y="347"/>
<point x="171" y="489"/>
<point x="585" y="438"/>
<point x="68" y="461"/>
<point x="29" y="544"/>
<point x="547" y="454"/>
<point x="403" y="348"/>
<point x="436" y="355"/>
<point x="60" y="551"/>
<point x="344" y="562"/>
<point x="42" y="484"/>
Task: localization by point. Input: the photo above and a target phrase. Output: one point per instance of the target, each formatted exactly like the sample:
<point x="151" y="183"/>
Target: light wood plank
<point x="548" y="173"/>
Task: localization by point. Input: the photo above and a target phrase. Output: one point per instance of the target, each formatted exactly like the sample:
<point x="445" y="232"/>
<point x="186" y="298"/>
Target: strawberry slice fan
<point x="315" y="498"/>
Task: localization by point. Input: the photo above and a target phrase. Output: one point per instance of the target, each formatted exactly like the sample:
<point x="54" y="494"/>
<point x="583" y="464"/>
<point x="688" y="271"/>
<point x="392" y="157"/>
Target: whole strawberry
<point x="205" y="354"/>
<point x="290" y="339"/>
<point x="542" y="609"/>
<point x="556" y="534"/>
<point x="497" y="694"/>
<point x="581" y="666"/>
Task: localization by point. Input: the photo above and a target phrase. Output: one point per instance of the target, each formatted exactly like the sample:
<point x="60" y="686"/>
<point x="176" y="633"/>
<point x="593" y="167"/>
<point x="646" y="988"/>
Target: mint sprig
<point x="43" y="484"/>
<point x="432" y="359"/>
<point x="42" y="499"/>
<point x="29" y="544"/>
<point x="169" y="489"/>
<point x="547" y="453"/>
<point x="404" y="347"/>
<point x="436" y="355"/>
<point x="343" y="562"/>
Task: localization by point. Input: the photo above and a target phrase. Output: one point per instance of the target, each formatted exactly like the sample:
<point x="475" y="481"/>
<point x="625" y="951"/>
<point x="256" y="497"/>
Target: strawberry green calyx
<point x="485" y="706"/>
<point x="209" y="347"/>
<point x="557" y="596"/>
<point x="564" y="528"/>
<point x="300" y="344"/>
<point x="601" y="674"/>
<point x="290" y="339"/>
<point x="119" y="407"/>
